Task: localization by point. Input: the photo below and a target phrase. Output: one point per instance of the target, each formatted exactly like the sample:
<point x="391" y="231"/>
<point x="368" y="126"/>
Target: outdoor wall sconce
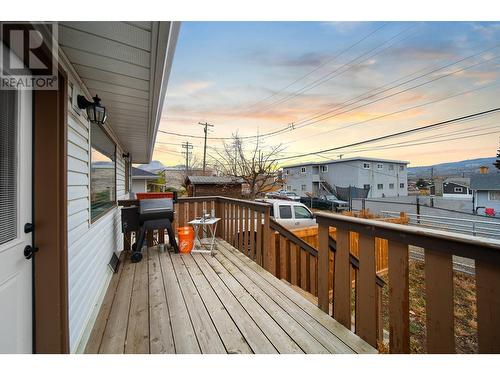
<point x="96" y="113"/>
<point x="126" y="155"/>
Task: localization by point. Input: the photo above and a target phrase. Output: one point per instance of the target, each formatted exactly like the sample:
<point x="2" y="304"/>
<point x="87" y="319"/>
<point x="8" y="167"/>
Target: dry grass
<point x="465" y="311"/>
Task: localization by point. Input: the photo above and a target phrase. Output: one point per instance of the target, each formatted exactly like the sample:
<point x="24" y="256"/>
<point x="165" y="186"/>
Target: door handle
<point x="29" y="251"/>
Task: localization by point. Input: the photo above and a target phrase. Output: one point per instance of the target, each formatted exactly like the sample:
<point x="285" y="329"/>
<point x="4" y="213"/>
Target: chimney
<point x="483" y="169"/>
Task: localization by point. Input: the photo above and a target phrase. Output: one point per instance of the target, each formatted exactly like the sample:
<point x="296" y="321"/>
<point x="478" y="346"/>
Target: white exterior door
<point x="16" y="308"/>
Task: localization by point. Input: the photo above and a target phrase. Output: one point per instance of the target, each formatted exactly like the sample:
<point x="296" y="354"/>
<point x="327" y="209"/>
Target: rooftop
<point x="138" y="173"/>
<point x="490" y="181"/>
<point x="214" y="180"/>
<point x="463" y="181"/>
<point x="347" y="160"/>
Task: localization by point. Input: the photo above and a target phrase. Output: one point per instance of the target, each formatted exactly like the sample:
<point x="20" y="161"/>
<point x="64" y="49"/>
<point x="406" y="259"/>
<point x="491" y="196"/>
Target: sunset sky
<point x="258" y="77"/>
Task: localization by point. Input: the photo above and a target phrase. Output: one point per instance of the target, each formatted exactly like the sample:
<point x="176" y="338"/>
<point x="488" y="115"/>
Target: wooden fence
<point x="439" y="248"/>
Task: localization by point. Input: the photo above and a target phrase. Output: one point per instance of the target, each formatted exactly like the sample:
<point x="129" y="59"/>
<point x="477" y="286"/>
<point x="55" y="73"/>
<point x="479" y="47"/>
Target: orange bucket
<point x="186" y="239"/>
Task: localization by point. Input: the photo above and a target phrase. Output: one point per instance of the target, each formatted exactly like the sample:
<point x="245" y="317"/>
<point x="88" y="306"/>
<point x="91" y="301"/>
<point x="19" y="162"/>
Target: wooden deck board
<point x="331" y="342"/>
<point x="196" y="303"/>
<point x="161" y="340"/>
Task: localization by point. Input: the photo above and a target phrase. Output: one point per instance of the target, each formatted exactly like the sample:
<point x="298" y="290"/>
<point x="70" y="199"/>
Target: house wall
<point x="351" y="173"/>
<point x="482" y="199"/>
<point x="449" y="191"/>
<point x="90" y="245"/>
<point x="139" y="186"/>
<point x="233" y="191"/>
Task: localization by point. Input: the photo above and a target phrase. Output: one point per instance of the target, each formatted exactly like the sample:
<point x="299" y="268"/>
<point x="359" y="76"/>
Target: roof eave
<point x="166" y="40"/>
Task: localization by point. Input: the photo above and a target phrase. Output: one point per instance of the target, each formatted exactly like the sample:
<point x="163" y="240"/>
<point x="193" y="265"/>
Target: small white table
<point x="208" y="228"/>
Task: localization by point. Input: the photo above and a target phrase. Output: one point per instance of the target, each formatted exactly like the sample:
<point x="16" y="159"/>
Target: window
<point x="287" y="171"/>
<point x="401" y="167"/>
<point x="288" y="187"/>
<point x="303" y="187"/>
<point x="458" y="189"/>
<point x="285" y="212"/>
<point x="402" y="185"/>
<point x="391" y="167"/>
<point x="380" y="186"/>
<point x="302" y="169"/>
<point x="380" y="166"/>
<point x="391" y="186"/>
<point x="102" y="173"/>
<point x="494" y="195"/>
<point x="8" y="165"/>
<point x="301" y="212"/>
<point x="367" y="186"/>
<point x="323" y="168"/>
<point x="366" y="165"/>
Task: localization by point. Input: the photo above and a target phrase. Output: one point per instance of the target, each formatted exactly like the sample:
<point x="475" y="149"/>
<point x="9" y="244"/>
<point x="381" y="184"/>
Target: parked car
<point x="284" y="195"/>
<point x="325" y="202"/>
<point x="339" y="204"/>
<point x="291" y="214"/>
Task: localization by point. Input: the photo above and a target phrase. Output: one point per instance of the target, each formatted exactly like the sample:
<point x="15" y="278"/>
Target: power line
<point x="321" y="65"/>
<point x="329" y="76"/>
<point x="395" y="112"/>
<point x="397" y="134"/>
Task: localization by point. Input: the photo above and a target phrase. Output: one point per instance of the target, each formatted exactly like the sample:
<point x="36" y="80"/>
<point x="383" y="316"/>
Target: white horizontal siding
<point x="90" y="246"/>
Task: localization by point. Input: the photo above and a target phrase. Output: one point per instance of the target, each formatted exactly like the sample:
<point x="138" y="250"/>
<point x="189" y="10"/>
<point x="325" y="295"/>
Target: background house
<point x="141" y="179"/>
<point x="383" y="178"/>
<point x="202" y="186"/>
<point x="486" y="192"/>
<point x="457" y="187"/>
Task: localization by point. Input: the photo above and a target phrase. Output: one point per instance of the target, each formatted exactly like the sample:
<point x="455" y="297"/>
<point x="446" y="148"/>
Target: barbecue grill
<point x="149" y="215"/>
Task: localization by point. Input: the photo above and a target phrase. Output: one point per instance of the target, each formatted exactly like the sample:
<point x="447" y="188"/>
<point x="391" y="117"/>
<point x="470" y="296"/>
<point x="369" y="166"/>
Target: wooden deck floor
<point x="173" y="303"/>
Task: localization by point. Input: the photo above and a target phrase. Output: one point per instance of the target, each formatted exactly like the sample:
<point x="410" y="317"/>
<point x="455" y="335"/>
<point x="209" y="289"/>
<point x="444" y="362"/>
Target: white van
<point x="290" y="214"/>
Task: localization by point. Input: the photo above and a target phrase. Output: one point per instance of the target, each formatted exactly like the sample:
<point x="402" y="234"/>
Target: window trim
<point x="458" y="189"/>
<point x="380" y="186"/>
<point x="380" y="166"/>
<point x="323" y="168"/>
<point x="401" y="185"/>
<point x="367" y="165"/>
<point x="303" y="169"/>
<point x="489" y="195"/>
<point x="393" y="185"/>
<point x="93" y="221"/>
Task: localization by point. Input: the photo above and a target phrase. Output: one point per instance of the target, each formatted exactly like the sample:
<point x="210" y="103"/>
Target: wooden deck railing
<point x="439" y="248"/>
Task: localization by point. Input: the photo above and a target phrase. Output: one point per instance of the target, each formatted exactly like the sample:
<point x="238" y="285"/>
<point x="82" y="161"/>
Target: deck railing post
<point x="323" y="266"/>
<point x="268" y="239"/>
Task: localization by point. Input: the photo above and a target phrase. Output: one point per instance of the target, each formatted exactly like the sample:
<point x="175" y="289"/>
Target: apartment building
<point x="383" y="177"/>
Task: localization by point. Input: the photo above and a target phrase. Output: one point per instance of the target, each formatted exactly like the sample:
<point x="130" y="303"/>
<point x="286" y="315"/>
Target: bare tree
<point x="255" y="166"/>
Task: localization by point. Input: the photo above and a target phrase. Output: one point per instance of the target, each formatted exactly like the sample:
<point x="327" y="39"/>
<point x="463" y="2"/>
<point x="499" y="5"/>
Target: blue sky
<point x="224" y="71"/>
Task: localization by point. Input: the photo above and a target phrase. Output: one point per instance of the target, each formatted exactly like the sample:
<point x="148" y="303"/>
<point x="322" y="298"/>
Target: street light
<point x="96" y="113"/>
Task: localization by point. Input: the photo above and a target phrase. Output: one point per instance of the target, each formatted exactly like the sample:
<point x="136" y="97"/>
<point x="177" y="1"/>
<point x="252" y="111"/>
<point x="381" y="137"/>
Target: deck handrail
<point x="439" y="247"/>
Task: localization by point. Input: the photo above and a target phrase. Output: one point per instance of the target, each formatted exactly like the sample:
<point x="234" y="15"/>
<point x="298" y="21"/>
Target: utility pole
<point x="188" y="146"/>
<point x="205" y="130"/>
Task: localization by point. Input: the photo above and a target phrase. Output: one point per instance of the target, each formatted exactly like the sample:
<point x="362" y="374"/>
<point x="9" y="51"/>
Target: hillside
<point x="465" y="167"/>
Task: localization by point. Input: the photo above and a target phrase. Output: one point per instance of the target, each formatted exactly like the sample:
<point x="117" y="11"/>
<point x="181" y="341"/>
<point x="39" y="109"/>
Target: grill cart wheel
<point x="136" y="257"/>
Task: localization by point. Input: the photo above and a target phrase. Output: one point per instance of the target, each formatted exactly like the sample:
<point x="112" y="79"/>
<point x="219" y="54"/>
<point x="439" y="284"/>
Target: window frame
<point x="401" y="167"/>
<point x="323" y="168"/>
<point x="93" y="220"/>
<point x="303" y="169"/>
<point x="458" y="189"/>
<point x="495" y="192"/>
<point x="285" y="206"/>
<point x="391" y="186"/>
<point x="380" y="166"/>
<point x="301" y="218"/>
<point x="401" y="185"/>
<point x="391" y="167"/>
<point x="303" y="187"/>
<point x="367" y="165"/>
<point x="380" y="186"/>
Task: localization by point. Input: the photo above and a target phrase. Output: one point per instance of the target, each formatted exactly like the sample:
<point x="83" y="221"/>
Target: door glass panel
<point x="285" y="212"/>
<point x="301" y="213"/>
<point x="8" y="165"/>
